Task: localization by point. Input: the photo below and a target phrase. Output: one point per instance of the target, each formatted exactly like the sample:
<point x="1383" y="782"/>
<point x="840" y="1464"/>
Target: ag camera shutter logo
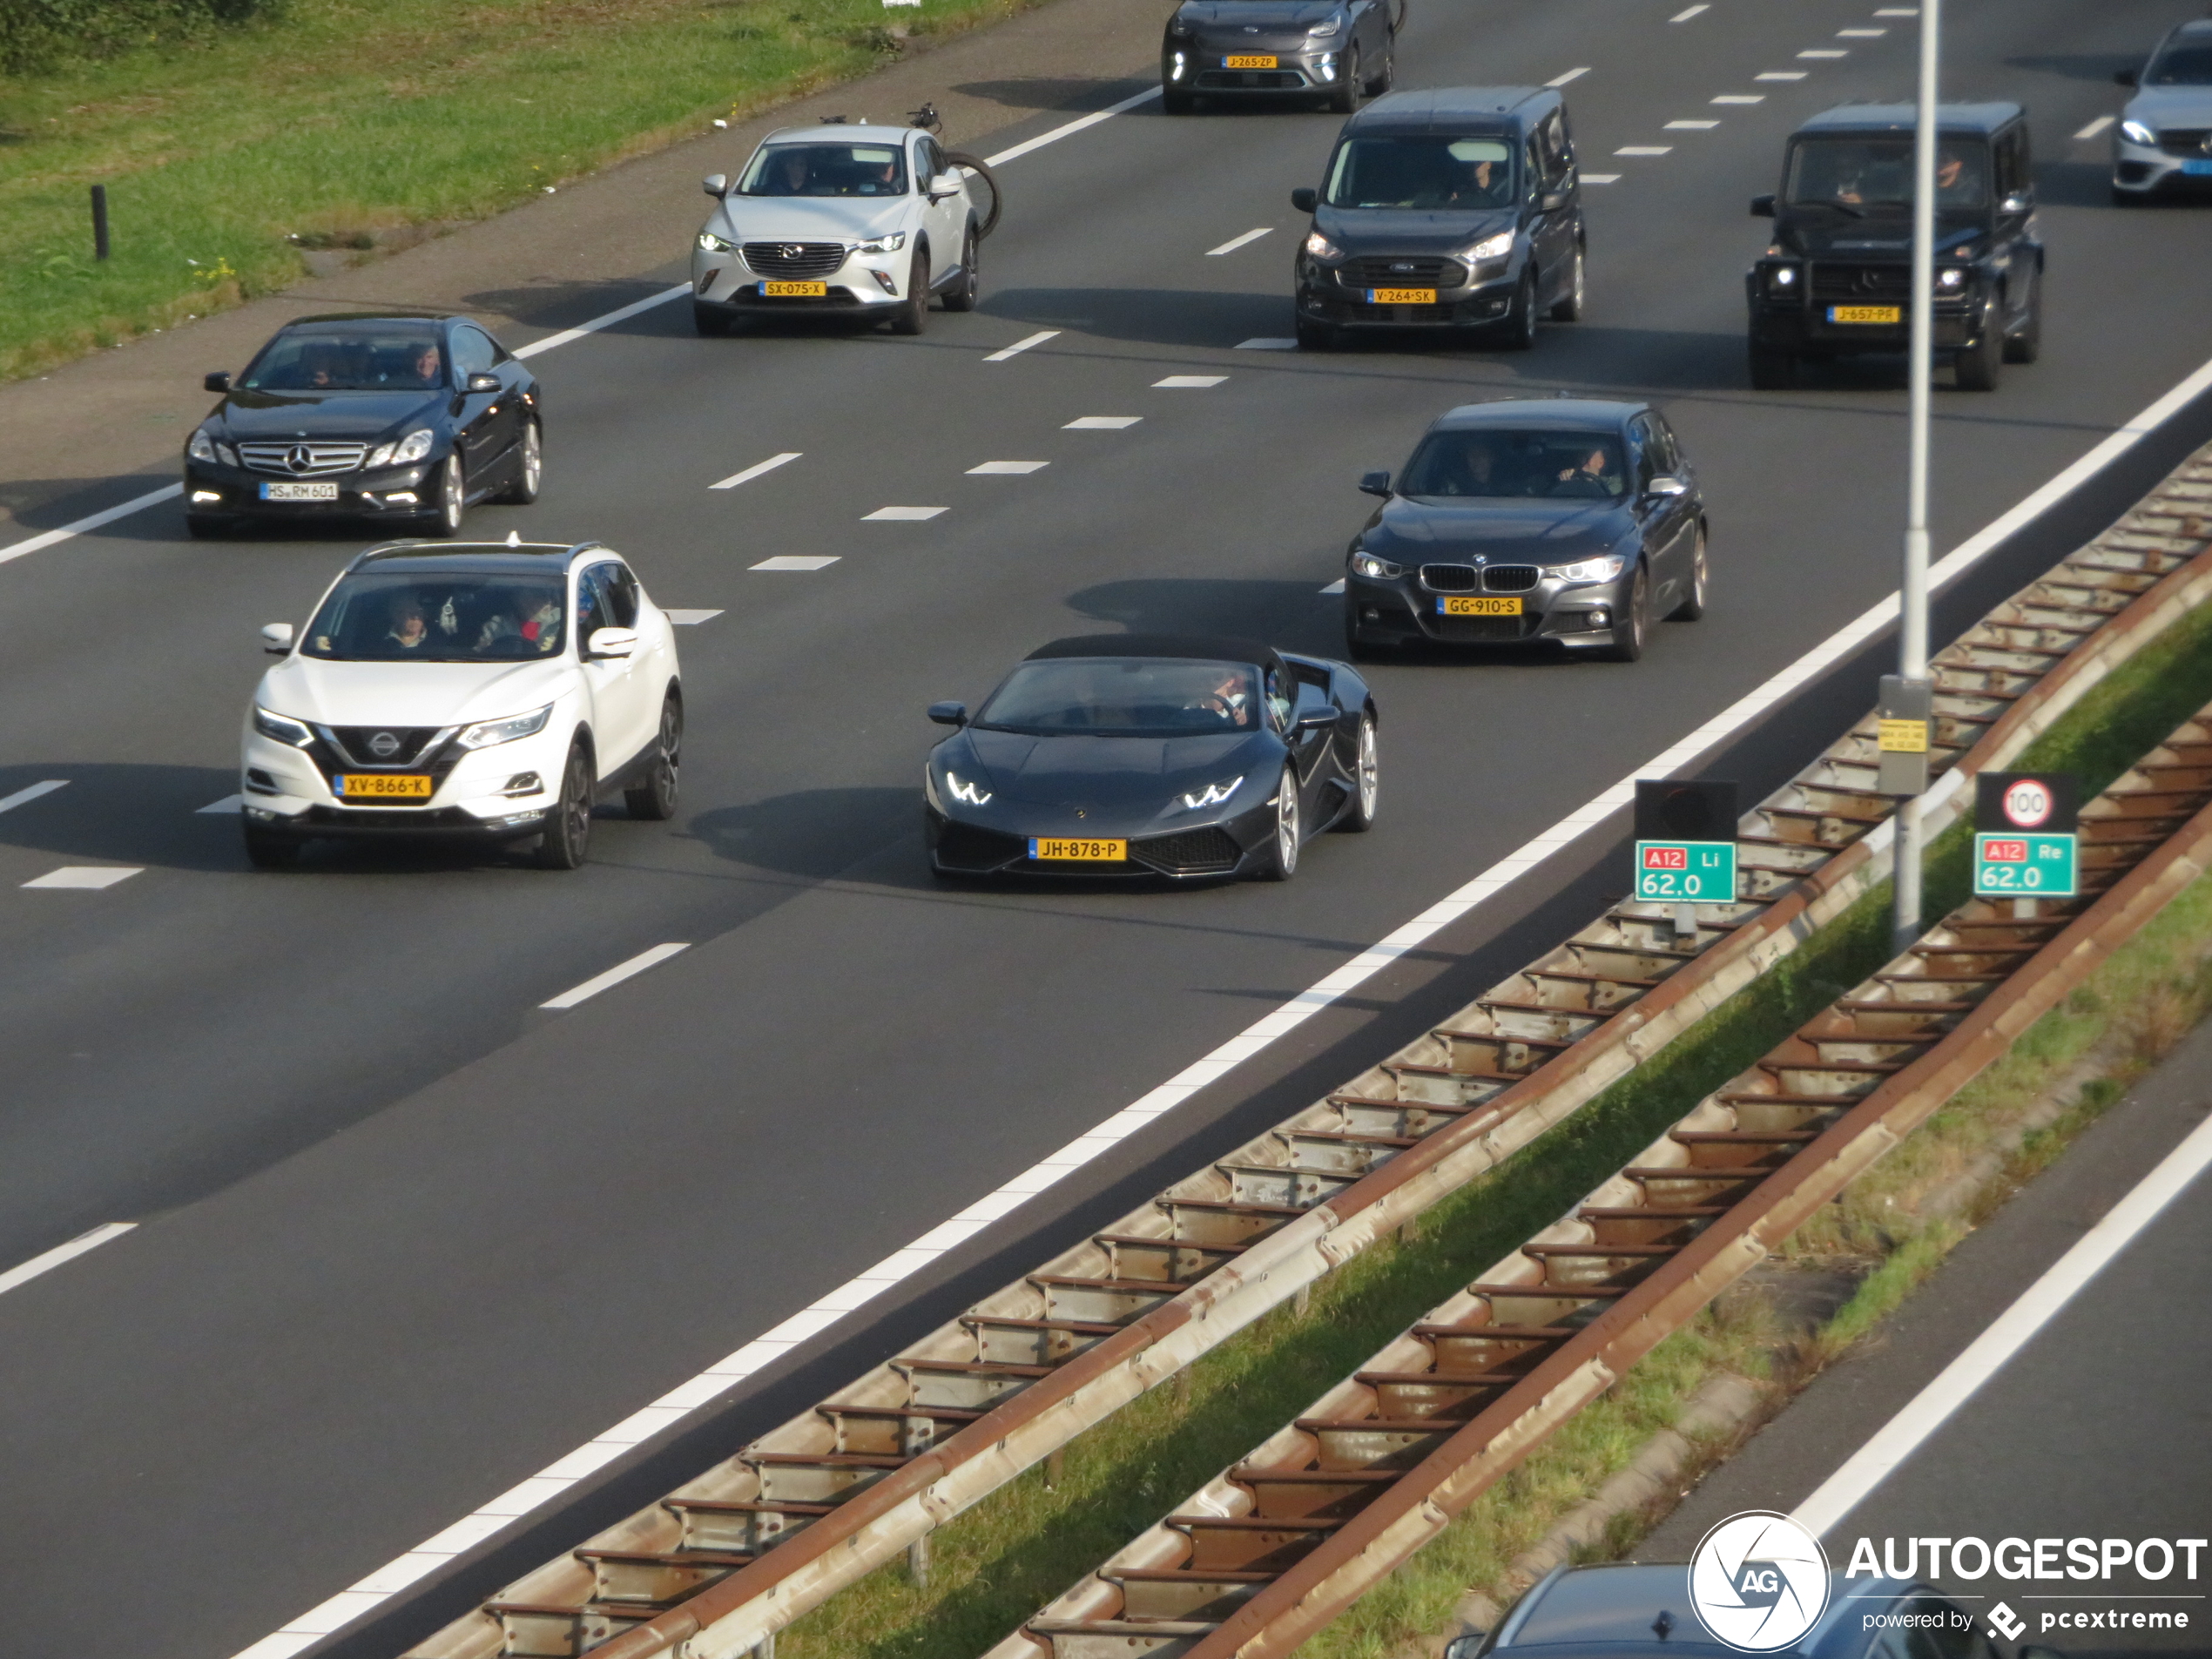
<point x="1759" y="1582"/>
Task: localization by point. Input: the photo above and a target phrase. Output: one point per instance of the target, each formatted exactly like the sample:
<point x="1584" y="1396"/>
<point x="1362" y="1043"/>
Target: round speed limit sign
<point x="2027" y="803"/>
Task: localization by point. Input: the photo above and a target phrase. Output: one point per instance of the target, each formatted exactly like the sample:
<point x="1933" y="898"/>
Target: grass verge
<point x="348" y="122"/>
<point x="994" y="1565"/>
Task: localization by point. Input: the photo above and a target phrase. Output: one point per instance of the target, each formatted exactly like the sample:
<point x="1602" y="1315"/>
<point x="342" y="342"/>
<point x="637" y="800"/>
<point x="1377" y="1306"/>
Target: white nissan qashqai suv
<point x="441" y="689"/>
<point x="858" y="222"/>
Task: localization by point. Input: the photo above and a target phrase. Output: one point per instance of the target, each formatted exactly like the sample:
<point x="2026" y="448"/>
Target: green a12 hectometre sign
<point x="1686" y="872"/>
<point x="2025" y="846"/>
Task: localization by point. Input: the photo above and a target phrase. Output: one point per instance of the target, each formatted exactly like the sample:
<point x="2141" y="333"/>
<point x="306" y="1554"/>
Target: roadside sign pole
<point x="1912" y="621"/>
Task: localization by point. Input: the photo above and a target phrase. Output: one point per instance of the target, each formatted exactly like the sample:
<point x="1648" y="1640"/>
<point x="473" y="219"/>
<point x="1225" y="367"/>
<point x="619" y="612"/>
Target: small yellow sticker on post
<point x="1904" y="737"/>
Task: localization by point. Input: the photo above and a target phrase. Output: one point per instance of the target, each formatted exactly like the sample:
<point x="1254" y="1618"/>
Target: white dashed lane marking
<point x="756" y="469"/>
<point x="1684" y="17"/>
<point x="1571" y="75"/>
<point x="1860" y="34"/>
<point x="691" y="618"/>
<point x="1601" y="178"/>
<point x="1188" y="382"/>
<point x="1022" y="345"/>
<point x="1101" y="422"/>
<point x="1741" y="97"/>
<point x="1780" y="75"/>
<point x="87" y="877"/>
<point x="1897" y="11"/>
<point x="1006" y="469"/>
<point x="1644" y="149"/>
<point x="49" y="1260"/>
<point x="23" y="797"/>
<point x="1824" y="52"/>
<point x="1236" y="242"/>
<point x="2093" y="128"/>
<point x="1336" y="586"/>
<point x="230" y="806"/>
<point x="1691" y="126"/>
<point x="1266" y="343"/>
<point x="613" y="976"/>
<point x="796" y="562"/>
<point x="901" y="514"/>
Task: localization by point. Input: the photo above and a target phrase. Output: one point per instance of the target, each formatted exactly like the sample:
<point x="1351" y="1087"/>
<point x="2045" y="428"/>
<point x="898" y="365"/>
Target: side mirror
<point x="2019" y="202"/>
<point x="219" y="381"/>
<point x="1761" y="207"/>
<point x="486" y="383"/>
<point x="1314" y="719"/>
<point x="2126" y="77"/>
<point x="1552" y="201"/>
<point x="1305" y="200"/>
<point x="1466" y="1646"/>
<point x="1667" y="483"/>
<point x="949" y="713"/>
<point x="715" y="184"/>
<point x="944" y="185"/>
<point x="1374" y="483"/>
<point x="276" y="639"/>
<point x="612" y="642"/>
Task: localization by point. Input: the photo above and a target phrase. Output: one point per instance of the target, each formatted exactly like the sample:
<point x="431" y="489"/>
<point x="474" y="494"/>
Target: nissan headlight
<point x="486" y="733"/>
<point x="1492" y="247"/>
<point x="1212" y="795"/>
<point x="966" y="794"/>
<point x="2136" y="132"/>
<point x="1327" y="26"/>
<point x="890" y="244"/>
<point x="1321" y="247"/>
<point x="1368" y="565"/>
<point x="282" y="727"/>
<point x="1603" y="569"/>
<point x="710" y="243"/>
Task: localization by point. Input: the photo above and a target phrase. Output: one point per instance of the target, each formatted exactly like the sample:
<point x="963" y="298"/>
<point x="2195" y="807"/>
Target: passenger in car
<point x="409" y="631"/>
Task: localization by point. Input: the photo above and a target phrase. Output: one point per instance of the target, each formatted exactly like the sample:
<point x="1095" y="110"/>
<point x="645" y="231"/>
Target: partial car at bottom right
<point x="2162" y="144"/>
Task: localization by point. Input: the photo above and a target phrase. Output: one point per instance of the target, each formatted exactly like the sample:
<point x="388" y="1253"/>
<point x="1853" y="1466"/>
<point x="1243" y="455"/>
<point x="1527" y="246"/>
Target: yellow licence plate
<point x="1401" y="296"/>
<point x="384" y="786"/>
<point x="795" y="290"/>
<point x="1067" y="849"/>
<point x="1866" y="313"/>
<point x="1470" y="605"/>
<point x="1250" y="60"/>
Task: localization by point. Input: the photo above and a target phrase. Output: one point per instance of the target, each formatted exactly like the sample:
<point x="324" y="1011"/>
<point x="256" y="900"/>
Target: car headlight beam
<point x="202" y="448"/>
<point x="282" y="727"/>
<point x="1327" y="26"/>
<point x="1212" y="795"/>
<point x="1602" y="569"/>
<point x="710" y="243"/>
<point x="487" y="733"/>
<point x="887" y="243"/>
<point x="1368" y="565"/>
<point x="966" y="794"/>
<point x="1321" y="247"/>
<point x="2136" y="132"/>
<point x="1950" y="279"/>
<point x="1492" y="247"/>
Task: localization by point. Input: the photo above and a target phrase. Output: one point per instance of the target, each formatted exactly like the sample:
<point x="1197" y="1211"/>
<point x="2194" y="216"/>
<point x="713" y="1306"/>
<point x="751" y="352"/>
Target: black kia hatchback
<point x="1454" y="210"/>
<point x="384" y="417"/>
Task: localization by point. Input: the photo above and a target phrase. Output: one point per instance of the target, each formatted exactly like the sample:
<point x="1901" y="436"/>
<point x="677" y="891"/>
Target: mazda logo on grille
<point x="384" y="745"/>
<point x="299" y="457"/>
<point x="792" y="250"/>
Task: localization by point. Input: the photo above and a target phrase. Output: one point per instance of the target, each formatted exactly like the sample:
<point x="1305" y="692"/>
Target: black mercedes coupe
<point x="1151" y="756"/>
<point x="1564" y="521"/>
<point x="382" y="416"/>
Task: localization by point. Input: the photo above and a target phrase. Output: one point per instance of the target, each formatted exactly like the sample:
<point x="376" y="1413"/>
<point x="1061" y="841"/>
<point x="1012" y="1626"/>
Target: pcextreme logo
<point x="1759" y="1580"/>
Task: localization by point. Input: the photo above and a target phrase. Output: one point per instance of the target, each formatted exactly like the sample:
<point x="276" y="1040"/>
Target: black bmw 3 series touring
<point x="385" y="417"/>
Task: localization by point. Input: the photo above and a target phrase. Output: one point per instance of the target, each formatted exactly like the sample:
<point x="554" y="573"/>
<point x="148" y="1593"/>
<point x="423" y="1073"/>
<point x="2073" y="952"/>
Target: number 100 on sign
<point x="1686" y="872"/>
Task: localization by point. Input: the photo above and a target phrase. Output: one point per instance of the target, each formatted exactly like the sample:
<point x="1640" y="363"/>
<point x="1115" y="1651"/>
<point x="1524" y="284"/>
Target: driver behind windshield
<point x="1429" y="174"/>
<point x="1859" y="173"/>
<point x="1515" y="465"/>
<point x="825" y="169"/>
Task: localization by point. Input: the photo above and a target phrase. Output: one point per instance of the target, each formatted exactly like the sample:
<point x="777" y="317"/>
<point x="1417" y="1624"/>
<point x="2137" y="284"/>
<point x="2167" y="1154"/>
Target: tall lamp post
<point x="1906" y="701"/>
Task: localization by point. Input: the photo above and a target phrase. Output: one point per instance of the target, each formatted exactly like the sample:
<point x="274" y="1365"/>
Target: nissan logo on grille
<point x="384" y="745"/>
<point x="299" y="457"/>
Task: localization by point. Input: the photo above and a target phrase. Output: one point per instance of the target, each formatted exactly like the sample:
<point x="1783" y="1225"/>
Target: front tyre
<point x="963" y="298"/>
<point x="453" y="498"/>
<point x="1978" y="367"/>
<point x="653" y="796"/>
<point x="1345" y="98"/>
<point x="913" y="315"/>
<point x="1279" y="863"/>
<point x="1628" y="632"/>
<point x="530" y="471"/>
<point x="1315" y="336"/>
<point x="1772" y="371"/>
<point x="1366" y="779"/>
<point x="1175" y="101"/>
<point x="1568" y="306"/>
<point x="1519" y="332"/>
<point x="1693" y="604"/>
<point x="2028" y="344"/>
<point x="709" y="322"/>
<point x="201" y="527"/>
<point x="567" y="840"/>
<point x="267" y="849"/>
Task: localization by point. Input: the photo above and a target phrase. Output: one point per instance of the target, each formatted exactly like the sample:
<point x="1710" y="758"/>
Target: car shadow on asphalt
<point x="1291" y="616"/>
<point x="2079" y="66"/>
<point x="814" y="833"/>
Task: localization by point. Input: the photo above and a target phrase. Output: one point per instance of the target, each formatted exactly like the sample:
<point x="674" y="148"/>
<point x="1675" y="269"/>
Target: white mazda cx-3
<point x="442" y="689"/>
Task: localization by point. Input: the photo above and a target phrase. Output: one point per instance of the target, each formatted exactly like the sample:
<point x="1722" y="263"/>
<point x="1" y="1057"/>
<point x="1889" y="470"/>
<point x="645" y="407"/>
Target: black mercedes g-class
<point x="1838" y="279"/>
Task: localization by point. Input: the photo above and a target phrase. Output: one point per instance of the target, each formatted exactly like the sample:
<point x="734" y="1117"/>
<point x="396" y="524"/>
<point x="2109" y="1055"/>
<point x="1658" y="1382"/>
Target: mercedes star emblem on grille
<point x="299" y="457"/>
<point x="383" y="745"/>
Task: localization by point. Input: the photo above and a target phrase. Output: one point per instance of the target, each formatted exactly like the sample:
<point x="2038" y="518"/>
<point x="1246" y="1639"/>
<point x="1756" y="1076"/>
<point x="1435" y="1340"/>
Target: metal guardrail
<point x="1267" y="1552"/>
<point x="729" y="1558"/>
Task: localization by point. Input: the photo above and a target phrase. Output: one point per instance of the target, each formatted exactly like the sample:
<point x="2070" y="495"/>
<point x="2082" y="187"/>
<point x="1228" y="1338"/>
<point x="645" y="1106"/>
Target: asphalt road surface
<point x="405" y="1239"/>
<point x="2099" y="1427"/>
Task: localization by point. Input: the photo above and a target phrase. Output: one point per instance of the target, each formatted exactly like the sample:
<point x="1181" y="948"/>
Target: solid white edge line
<point x="1571" y="75"/>
<point x="621" y="314"/>
<point x="1905" y="1433"/>
<point x="1236" y="242"/>
<point x="1022" y="345"/>
<point x="527" y="1497"/>
<point x="49" y="1260"/>
<point x="613" y="976"/>
<point x="1072" y="128"/>
<point x="9" y="803"/>
<point x="757" y="469"/>
<point x="92" y="522"/>
<point x="2095" y="128"/>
